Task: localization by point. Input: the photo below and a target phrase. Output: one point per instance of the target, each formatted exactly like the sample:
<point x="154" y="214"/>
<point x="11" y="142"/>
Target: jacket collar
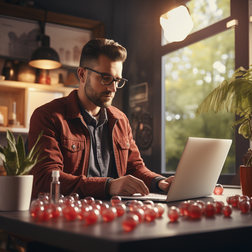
<point x="73" y="110"/>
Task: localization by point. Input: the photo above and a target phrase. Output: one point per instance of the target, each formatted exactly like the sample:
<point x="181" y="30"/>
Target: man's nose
<point x="112" y="87"/>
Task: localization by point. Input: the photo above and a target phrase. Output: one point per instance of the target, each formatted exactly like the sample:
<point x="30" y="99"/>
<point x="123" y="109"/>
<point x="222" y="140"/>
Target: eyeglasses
<point x="107" y="79"/>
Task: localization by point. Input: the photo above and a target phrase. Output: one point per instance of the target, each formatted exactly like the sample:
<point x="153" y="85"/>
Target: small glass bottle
<point x="55" y="187"/>
<point x="13" y="119"/>
<point x="1" y="119"/>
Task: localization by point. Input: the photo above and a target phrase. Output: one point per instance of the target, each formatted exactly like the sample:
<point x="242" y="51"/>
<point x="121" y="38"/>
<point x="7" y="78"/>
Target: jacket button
<point x="73" y="147"/>
<point x="127" y="144"/>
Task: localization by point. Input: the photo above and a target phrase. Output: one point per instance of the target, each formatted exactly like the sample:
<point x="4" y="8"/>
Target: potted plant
<point x="235" y="96"/>
<point x="16" y="187"/>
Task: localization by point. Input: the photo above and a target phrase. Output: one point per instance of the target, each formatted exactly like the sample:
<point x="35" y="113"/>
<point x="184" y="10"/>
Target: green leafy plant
<point x="234" y="96"/>
<point x="14" y="159"/>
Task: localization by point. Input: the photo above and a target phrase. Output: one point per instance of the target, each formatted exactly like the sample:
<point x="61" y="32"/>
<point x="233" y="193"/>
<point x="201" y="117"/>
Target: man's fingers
<point x="166" y="183"/>
<point x="138" y="185"/>
<point x="127" y="185"/>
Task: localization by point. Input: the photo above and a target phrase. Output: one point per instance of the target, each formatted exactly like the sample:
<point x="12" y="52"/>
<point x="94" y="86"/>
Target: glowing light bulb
<point x="177" y="24"/>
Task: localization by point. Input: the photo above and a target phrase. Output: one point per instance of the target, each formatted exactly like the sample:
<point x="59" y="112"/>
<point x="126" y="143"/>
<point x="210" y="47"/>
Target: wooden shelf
<point x="18" y="129"/>
<point x="27" y="96"/>
<point x="18" y="84"/>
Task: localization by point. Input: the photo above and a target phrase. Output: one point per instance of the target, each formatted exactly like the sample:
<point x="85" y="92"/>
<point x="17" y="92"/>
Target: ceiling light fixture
<point x="45" y="57"/>
<point x="176" y="23"/>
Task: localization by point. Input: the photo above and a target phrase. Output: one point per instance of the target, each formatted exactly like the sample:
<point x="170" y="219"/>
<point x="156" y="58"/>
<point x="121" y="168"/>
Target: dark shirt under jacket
<point x="101" y="160"/>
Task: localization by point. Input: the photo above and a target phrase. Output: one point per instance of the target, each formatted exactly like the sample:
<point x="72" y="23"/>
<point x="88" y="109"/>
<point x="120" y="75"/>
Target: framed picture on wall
<point x="138" y="94"/>
<point x="18" y="37"/>
<point x="67" y="42"/>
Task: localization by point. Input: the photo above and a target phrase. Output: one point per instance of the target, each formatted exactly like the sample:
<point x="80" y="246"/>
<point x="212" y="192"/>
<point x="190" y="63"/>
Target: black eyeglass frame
<point x="114" y="79"/>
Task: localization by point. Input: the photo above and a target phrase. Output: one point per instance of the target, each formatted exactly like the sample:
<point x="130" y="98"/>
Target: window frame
<point x="238" y="11"/>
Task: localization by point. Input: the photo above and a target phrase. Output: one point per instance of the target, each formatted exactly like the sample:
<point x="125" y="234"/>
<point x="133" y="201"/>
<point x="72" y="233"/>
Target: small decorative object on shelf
<point x="9" y="70"/>
<point x="44" y="77"/>
<point x="13" y="119"/>
<point x="26" y="73"/>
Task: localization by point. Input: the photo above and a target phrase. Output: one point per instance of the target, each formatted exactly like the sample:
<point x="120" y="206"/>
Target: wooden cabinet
<point x="27" y="97"/>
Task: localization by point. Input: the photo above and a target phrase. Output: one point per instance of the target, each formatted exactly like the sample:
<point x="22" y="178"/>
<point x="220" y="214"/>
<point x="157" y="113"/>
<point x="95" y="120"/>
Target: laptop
<point x="197" y="172"/>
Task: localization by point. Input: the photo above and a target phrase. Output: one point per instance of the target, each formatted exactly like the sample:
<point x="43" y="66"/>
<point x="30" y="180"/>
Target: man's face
<point x="96" y="92"/>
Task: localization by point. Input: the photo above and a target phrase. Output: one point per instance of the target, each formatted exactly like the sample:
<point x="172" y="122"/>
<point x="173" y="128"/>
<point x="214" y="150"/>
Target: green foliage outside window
<point x="207" y="12"/>
<point x="191" y="73"/>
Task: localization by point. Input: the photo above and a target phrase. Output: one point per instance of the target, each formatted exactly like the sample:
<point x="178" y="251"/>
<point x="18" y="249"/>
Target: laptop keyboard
<point x="150" y="196"/>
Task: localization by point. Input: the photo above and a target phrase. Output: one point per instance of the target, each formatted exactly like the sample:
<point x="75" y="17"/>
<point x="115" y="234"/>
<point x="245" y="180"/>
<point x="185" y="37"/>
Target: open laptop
<point x="198" y="170"/>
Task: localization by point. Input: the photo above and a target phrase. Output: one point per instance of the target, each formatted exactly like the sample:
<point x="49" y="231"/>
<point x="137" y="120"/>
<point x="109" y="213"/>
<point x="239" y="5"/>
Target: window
<point x="190" y="74"/>
<point x="194" y="67"/>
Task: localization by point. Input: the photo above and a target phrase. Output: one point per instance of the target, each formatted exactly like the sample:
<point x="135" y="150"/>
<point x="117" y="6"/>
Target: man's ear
<point x="81" y="73"/>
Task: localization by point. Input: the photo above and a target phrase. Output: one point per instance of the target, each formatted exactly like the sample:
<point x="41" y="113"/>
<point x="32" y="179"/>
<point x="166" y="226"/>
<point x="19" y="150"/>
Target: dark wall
<point x="136" y="26"/>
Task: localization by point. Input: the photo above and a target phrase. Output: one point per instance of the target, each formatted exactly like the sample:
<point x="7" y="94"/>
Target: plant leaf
<point x="10" y="137"/>
<point x="27" y="166"/>
<point x="31" y="153"/>
<point x="21" y="150"/>
<point x="11" y="153"/>
<point x="2" y="156"/>
<point x="11" y="159"/>
<point x="244" y="130"/>
<point x="7" y="169"/>
<point x="249" y="162"/>
<point x="234" y="96"/>
<point x="29" y="163"/>
<point x="14" y="160"/>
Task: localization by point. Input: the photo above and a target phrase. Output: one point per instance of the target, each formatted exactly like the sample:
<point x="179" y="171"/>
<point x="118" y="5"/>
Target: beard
<point x="99" y="99"/>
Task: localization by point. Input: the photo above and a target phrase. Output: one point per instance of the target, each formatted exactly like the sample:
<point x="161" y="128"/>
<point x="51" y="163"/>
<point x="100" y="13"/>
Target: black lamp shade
<point x="45" y="57"/>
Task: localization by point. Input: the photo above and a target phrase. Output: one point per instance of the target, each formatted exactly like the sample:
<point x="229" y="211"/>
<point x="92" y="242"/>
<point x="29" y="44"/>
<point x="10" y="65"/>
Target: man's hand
<point x="165" y="183"/>
<point x="127" y="185"/>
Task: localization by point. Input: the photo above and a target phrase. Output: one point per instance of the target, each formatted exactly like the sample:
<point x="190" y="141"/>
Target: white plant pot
<point x="15" y="192"/>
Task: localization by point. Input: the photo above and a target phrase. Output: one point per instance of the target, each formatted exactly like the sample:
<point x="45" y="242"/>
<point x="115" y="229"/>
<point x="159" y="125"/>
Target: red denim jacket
<point x="66" y="145"/>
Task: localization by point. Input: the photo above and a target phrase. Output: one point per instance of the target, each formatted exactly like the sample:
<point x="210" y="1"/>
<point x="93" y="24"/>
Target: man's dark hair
<point x="98" y="46"/>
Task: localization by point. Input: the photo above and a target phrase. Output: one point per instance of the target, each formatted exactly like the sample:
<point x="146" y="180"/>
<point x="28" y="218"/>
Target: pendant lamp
<point x="45" y="57"/>
<point x="176" y="23"/>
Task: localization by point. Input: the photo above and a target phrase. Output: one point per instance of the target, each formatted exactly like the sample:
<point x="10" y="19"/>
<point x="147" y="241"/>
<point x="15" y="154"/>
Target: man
<point x="89" y="140"/>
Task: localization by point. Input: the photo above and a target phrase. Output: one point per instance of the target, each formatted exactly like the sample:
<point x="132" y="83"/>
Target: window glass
<point x="191" y="73"/>
<point x="205" y="13"/>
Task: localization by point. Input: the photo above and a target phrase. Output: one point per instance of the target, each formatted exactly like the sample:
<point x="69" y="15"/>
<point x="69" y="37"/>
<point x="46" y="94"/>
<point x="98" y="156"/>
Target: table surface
<point x="109" y="236"/>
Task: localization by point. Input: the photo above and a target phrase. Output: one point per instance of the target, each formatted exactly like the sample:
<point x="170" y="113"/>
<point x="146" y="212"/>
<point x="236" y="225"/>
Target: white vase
<point x="15" y="192"/>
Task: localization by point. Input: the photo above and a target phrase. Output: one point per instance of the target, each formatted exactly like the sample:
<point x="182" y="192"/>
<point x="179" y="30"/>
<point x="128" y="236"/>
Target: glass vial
<point x="55" y="187"/>
<point x="13" y="119"/>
